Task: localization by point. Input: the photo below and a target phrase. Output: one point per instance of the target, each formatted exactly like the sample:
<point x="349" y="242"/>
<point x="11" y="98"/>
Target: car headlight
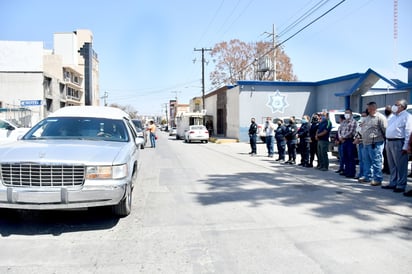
<point x="106" y="172"/>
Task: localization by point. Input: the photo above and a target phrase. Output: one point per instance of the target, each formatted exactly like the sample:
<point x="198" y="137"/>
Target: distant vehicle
<point x="197" y="133"/>
<point x="141" y="131"/>
<point x="173" y="131"/>
<point x="186" y="119"/>
<point x="9" y="132"/>
<point x="334" y="117"/>
<point x="78" y="157"/>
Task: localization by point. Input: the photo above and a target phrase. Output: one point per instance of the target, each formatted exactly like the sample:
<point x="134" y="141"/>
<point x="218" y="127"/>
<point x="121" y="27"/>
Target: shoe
<point x="282" y="161"/>
<point x="292" y="163"/>
<point x="277" y="160"/>
<point x="339" y="171"/>
<point x="399" y="190"/>
<point x="408" y="194"/>
<point x="362" y="180"/>
<point x="388" y="187"/>
<point x="309" y="165"/>
<point x="375" y="183"/>
<point x="342" y="174"/>
<point x="253" y="154"/>
<point x="250" y="152"/>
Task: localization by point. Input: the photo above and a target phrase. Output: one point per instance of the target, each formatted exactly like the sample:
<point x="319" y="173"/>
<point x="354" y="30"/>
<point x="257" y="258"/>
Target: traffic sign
<point x="30" y="103"/>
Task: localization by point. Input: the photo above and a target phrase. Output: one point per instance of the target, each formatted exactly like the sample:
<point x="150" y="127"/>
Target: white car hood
<point x="62" y="151"/>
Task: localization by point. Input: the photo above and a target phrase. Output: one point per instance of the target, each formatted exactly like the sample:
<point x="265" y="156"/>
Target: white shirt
<point x="400" y="127"/>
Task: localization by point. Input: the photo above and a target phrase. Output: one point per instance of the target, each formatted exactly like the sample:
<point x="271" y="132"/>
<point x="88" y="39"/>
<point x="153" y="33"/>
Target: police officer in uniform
<point x="252" y="136"/>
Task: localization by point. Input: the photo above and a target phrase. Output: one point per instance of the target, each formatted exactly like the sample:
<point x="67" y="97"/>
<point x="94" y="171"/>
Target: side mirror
<point x="138" y="141"/>
<point x="10" y="127"/>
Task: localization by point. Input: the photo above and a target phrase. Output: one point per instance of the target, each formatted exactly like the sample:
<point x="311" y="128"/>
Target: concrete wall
<point x="65" y="44"/>
<point x="326" y="98"/>
<point x="233" y="113"/>
<point x="211" y="109"/>
<point x="21" y="56"/>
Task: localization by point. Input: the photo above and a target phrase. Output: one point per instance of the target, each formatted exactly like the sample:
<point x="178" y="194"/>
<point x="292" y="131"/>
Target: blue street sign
<point x="30" y="103"/>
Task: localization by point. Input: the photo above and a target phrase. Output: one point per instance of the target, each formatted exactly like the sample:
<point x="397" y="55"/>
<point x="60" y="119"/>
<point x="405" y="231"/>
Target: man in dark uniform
<point x="313" y="142"/>
<point x="252" y="136"/>
<point x="280" y="140"/>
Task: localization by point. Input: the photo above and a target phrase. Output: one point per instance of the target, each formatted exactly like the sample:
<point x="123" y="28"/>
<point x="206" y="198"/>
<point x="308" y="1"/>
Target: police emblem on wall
<point x="277" y="102"/>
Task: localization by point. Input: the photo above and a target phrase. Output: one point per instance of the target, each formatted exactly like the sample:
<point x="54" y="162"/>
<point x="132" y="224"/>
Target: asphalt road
<point x="212" y="208"/>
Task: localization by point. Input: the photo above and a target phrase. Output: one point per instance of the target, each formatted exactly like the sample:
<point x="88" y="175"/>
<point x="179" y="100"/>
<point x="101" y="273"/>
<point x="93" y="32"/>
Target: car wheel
<point x="142" y="147"/>
<point x="124" y="207"/>
<point x="206" y="141"/>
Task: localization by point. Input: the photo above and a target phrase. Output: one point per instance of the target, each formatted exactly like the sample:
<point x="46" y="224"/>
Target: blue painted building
<point x="232" y="106"/>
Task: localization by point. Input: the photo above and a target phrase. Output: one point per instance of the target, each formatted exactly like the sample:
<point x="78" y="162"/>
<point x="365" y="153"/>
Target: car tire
<point x="142" y="147"/>
<point x="124" y="207"/>
<point x="206" y="141"/>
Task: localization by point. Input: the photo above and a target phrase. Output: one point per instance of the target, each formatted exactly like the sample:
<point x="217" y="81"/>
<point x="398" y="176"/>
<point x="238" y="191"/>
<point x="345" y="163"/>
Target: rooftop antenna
<point x="395" y="36"/>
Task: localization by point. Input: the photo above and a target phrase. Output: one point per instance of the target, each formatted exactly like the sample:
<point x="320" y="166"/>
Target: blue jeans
<point x="270" y="144"/>
<point x="360" y="155"/>
<point x="341" y="159"/>
<point x="372" y="162"/>
<point x="348" y="155"/>
<point x="152" y="139"/>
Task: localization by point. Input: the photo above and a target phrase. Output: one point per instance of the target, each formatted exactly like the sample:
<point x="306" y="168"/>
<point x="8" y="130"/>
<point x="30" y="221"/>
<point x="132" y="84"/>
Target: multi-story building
<point x="35" y="81"/>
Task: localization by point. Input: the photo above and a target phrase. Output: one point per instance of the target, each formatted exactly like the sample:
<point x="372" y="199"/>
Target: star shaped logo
<point x="277" y="102"/>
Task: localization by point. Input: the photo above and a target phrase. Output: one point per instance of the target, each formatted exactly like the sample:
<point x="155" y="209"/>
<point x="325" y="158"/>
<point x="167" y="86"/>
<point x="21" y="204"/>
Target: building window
<point x="47" y="86"/>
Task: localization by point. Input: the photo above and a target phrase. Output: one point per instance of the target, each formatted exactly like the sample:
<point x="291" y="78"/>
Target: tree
<point x="128" y="109"/>
<point x="238" y="60"/>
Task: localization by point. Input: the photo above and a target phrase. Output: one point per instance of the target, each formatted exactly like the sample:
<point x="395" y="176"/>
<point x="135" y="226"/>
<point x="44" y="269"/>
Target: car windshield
<point x="138" y="124"/>
<point x="197" y="127"/>
<point x="79" y="128"/>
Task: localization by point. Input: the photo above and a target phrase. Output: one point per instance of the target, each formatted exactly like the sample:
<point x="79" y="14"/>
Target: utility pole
<point x="167" y="120"/>
<point x="273" y="34"/>
<point x="176" y="92"/>
<point x="203" y="73"/>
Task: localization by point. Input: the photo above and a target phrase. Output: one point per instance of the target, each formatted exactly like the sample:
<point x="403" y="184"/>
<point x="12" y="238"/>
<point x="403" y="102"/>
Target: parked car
<point x="141" y="131"/>
<point x="197" y="133"/>
<point x="334" y="119"/>
<point x="10" y="132"/>
<point x="173" y="131"/>
<point x="78" y="157"/>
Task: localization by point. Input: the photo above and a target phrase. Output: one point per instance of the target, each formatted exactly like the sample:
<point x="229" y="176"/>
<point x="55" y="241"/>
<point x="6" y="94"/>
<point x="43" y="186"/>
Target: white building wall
<point x="210" y="105"/>
<point x="21" y="56"/>
<point x="21" y="76"/>
<point x="65" y="44"/>
<point x="232" y="114"/>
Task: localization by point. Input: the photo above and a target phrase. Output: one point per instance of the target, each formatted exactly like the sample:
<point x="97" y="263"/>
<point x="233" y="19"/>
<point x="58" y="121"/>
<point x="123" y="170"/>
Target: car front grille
<point x="42" y="175"/>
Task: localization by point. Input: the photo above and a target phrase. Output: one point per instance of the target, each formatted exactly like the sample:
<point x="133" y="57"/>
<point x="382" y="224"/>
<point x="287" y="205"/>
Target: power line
<point x="296" y="33"/>
<point x="316" y="7"/>
<point x="203" y="73"/>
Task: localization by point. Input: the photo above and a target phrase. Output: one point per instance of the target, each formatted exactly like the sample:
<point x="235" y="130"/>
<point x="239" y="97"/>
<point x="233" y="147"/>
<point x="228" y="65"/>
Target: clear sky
<point x="146" y="48"/>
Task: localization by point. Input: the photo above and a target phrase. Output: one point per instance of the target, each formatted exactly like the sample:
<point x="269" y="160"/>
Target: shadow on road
<point x="324" y="198"/>
<point x="55" y="222"/>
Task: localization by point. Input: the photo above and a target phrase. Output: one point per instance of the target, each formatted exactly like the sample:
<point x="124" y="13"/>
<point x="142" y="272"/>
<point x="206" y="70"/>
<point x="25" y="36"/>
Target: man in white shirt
<point x="270" y="136"/>
<point x="397" y="139"/>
